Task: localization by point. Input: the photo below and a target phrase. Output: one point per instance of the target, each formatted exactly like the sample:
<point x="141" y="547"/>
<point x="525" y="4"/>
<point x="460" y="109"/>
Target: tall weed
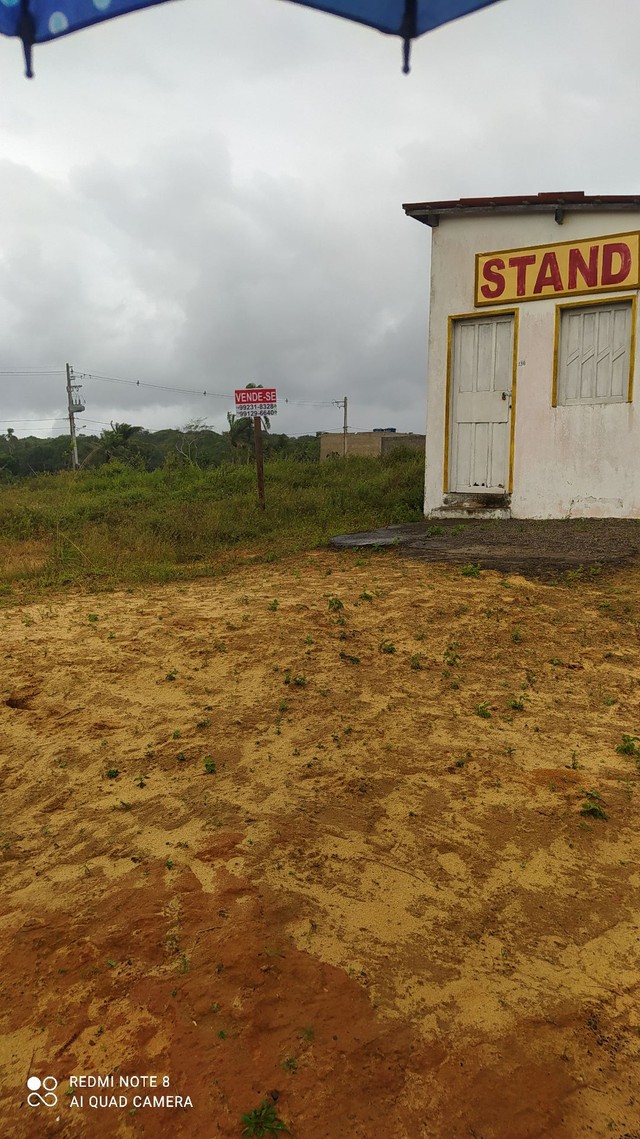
<point x="118" y="524"/>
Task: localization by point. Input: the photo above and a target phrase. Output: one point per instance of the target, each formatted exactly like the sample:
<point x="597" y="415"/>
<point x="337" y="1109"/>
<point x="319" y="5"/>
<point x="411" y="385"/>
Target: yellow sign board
<point x="567" y="269"/>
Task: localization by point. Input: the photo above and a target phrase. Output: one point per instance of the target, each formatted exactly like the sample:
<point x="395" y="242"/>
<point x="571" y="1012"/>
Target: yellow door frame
<point x="459" y="317"/>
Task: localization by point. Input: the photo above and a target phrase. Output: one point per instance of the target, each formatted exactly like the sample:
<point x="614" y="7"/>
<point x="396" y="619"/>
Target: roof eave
<point x="430" y="214"/>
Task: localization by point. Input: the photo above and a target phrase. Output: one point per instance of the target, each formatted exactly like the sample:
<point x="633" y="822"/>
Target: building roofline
<point x="429" y="213"/>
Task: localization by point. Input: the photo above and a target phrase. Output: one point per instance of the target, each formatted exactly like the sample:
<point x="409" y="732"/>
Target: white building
<point x="532" y="394"/>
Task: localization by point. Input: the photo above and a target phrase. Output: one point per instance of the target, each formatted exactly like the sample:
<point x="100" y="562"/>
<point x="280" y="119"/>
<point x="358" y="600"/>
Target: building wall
<point x="410" y="441"/>
<point x="369" y="444"/>
<point x="576" y="461"/>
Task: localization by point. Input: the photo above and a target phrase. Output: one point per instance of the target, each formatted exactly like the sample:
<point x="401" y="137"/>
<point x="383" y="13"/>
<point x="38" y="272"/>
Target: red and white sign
<point x="256" y="401"/>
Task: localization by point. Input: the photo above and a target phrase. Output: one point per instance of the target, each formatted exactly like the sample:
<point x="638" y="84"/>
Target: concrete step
<point x="473" y="506"/>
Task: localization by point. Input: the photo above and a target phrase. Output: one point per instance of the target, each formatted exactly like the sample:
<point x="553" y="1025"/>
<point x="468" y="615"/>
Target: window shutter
<point x="594" y="354"/>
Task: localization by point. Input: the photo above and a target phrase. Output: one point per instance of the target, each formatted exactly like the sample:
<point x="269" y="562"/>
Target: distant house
<point x="372" y="444"/>
<point x="531" y="393"/>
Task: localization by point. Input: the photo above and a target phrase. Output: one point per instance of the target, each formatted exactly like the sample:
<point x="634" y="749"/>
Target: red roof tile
<point x="430" y="212"/>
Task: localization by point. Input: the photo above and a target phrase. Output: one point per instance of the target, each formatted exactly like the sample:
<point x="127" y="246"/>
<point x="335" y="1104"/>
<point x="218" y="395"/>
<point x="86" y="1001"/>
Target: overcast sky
<point x="209" y="193"/>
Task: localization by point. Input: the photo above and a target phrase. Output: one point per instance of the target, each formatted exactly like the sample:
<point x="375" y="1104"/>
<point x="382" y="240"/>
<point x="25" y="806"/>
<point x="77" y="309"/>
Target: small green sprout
<point x="262" y="1121"/>
<point x="298" y="681"/>
<point x="594" y="810"/>
<point x="592" y="806"/>
<point x="628" y="746"/>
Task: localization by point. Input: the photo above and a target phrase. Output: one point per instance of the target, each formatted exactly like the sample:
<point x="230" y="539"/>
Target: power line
<point x="310" y="402"/>
<point x="143" y="384"/>
<point x="51" y="419"/>
<point x="37" y="372"/>
<point x="190" y="391"/>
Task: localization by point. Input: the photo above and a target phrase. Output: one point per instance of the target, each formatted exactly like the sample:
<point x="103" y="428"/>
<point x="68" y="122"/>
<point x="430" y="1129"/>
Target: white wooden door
<point x="481" y="381"/>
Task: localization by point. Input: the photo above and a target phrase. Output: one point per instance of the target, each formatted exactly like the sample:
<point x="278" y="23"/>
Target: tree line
<point x="195" y="444"/>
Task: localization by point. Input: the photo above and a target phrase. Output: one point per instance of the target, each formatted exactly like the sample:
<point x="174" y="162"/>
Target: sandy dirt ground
<point x="314" y="832"/>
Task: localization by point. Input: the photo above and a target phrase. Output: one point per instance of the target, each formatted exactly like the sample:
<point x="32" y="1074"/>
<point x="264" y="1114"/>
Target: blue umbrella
<point x="406" y="18"/>
<point x="36" y="21"/>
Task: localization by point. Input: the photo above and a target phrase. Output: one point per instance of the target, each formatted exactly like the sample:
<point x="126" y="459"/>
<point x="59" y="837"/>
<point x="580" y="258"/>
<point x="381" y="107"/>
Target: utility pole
<point x="343" y="403"/>
<point x="75" y="406"/>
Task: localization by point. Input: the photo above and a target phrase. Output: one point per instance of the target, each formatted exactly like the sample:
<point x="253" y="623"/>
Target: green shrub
<point x="116" y="523"/>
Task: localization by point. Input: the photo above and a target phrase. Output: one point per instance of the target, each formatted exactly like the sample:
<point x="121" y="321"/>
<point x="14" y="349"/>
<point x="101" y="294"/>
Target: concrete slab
<point x="539" y="548"/>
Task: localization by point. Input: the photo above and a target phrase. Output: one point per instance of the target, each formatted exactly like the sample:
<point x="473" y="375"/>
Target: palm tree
<point x="114" y="443"/>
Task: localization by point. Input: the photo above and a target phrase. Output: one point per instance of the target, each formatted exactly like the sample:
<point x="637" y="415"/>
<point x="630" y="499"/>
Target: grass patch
<point x="262" y="1121"/>
<point x="113" y="525"/>
<point x="629" y="746"/>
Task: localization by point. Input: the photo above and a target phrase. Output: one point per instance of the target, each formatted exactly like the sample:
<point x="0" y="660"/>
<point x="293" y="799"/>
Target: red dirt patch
<point x="383" y="909"/>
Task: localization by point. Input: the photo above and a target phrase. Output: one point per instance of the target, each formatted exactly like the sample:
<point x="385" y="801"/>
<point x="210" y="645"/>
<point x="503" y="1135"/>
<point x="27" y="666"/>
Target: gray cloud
<point x="204" y="195"/>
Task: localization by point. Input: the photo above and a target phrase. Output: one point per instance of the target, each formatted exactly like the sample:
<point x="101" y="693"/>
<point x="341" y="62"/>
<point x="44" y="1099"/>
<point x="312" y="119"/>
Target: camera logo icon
<point x="42" y="1092"/>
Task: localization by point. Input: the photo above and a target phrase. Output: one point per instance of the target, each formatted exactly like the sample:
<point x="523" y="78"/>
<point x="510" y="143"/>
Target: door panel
<point x="481" y="381"/>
